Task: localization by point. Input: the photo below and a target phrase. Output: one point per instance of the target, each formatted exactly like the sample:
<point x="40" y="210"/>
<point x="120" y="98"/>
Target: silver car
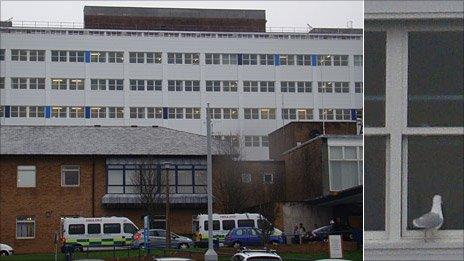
<point x="157" y="239"/>
<point x="254" y="254"/>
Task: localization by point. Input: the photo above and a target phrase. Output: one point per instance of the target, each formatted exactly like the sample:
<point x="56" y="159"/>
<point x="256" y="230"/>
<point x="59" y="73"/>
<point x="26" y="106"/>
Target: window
<point x="115" y="112"/>
<point x="303" y="59"/>
<point x="111" y="228"/>
<point x="342" y="87"/>
<point x="287" y="59"/>
<point x="289" y="114"/>
<point x="18" y="111"/>
<point x="115" y="57"/>
<point x="325" y="87"/>
<point x="192" y="113"/>
<point x="345" y="167"/>
<point x="97" y="57"/>
<point x="59" y="56"/>
<point x="37" y="83"/>
<point x="76" y="84"/>
<point x="59" y="112"/>
<point x="251" y="113"/>
<point x="287" y="86"/>
<point x="25" y="227"/>
<point x="213" y="86"/>
<point x="246" y="177"/>
<point x="252" y="141"/>
<point x="358" y="87"/>
<point x="374" y="77"/>
<point x="26" y="177"/>
<point x="115" y="85"/>
<point x="246" y="223"/>
<point x="93" y="229"/>
<point x="326" y="114"/>
<point x="250" y="59"/>
<point x="156" y="113"/>
<point x="129" y="228"/>
<point x="98" y="84"/>
<point x="216" y="225"/>
<point x="228" y="224"/>
<point x="154" y="58"/>
<point x="70" y="176"/>
<point x="19" y="83"/>
<point x="324" y="60"/>
<point x="250" y="86"/>
<point x="76" y="229"/>
<point x="97" y="112"/>
<point x="137" y="85"/>
<point x="2" y="54"/>
<point x="191" y="86"/>
<point x="2" y="111"/>
<point x="2" y="82"/>
<point x="212" y="58"/>
<point x="76" y="56"/>
<point x="175" y="85"/>
<point x="76" y="112"/>
<point x="36" y="55"/>
<point x="342" y="114"/>
<point x="358" y="60"/>
<point x="268" y="178"/>
<point x="230" y="113"/>
<point x="137" y="113"/>
<point x="374" y="182"/>
<point x="304" y="86"/>
<point x="266" y="59"/>
<point x="305" y="114"/>
<point x="264" y="141"/>
<point x="229" y="58"/>
<point x="267" y="114"/>
<point x="340" y="60"/>
<point x="175" y="113"/>
<point x="59" y="84"/>
<point x="435" y="79"/>
<point x="192" y="58"/>
<point x="266" y="86"/>
<point x="136" y="57"/>
<point x="36" y="111"/>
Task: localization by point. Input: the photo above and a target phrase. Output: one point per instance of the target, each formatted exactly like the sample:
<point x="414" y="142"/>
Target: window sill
<point x="416" y="243"/>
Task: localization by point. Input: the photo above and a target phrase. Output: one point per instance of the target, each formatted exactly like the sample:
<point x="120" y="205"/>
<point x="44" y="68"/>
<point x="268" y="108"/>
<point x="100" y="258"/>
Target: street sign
<point x="335" y="244"/>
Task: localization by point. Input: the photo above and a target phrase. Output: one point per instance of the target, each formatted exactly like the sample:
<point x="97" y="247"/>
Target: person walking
<point x="301" y="232"/>
<point x="296" y="237"/>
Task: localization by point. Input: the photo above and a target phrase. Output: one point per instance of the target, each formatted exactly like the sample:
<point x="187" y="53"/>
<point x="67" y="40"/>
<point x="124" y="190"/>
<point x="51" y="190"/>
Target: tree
<point x="268" y="199"/>
<point x="231" y="195"/>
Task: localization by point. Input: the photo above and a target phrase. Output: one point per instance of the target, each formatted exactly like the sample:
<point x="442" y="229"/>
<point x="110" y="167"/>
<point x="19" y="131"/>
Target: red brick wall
<point x="175" y="24"/>
<point x="287" y="136"/>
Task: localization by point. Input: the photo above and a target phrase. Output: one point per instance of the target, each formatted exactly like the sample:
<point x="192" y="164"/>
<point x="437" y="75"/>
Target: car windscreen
<point x="267" y="258"/>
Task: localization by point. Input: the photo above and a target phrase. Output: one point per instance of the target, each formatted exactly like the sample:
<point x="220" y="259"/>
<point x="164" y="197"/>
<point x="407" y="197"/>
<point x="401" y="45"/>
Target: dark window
<point x="215" y="225"/>
<point x="435" y="167"/>
<point x="112" y="228"/>
<point x="246" y="223"/>
<point x="263" y="224"/>
<point x="374" y="78"/>
<point x="374" y="182"/>
<point x="435" y="79"/>
<point x="228" y="224"/>
<point x="93" y="229"/>
<point x="129" y="228"/>
<point x="76" y="229"/>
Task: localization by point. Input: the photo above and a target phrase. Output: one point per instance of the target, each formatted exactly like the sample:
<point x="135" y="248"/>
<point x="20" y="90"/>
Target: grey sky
<point x="278" y="13"/>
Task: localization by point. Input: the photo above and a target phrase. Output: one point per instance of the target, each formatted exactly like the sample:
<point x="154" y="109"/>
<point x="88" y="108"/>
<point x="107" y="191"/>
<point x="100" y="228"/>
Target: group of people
<point x="299" y="233"/>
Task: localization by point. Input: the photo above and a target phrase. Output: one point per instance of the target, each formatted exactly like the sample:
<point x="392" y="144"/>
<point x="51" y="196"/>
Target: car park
<point x="6" y="250"/>
<point x="249" y="236"/>
<point x="256" y="255"/>
<point x="157" y="239"/>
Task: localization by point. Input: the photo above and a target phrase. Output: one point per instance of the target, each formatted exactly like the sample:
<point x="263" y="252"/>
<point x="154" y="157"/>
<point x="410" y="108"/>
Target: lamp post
<point x="168" y="211"/>
<point x="210" y="255"/>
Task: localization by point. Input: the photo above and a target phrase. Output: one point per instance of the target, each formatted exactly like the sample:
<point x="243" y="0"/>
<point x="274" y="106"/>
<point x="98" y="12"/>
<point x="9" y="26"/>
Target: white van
<point x="222" y="223"/>
<point x="97" y="233"/>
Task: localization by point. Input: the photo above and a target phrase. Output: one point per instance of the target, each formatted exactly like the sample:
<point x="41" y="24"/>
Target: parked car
<point x="6" y="250"/>
<point x="322" y="233"/>
<point x="157" y="239"/>
<point x="249" y="236"/>
<point x="261" y="255"/>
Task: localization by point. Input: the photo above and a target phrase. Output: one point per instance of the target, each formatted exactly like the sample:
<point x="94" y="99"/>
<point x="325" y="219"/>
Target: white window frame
<point x="358" y="160"/>
<point x="246" y="178"/>
<point x="63" y="172"/>
<point x="268" y="174"/>
<point x="26" y="168"/>
<point x="25" y="221"/>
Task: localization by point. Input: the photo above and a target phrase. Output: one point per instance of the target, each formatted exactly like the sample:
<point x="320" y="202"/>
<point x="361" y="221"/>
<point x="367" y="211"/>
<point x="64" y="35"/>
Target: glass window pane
<point x="336" y="152"/>
<point x="374" y="182"/>
<point x="115" y="177"/>
<point x="435" y="167"/>
<point x="374" y="78"/>
<point x="350" y="153"/>
<point x="435" y="79"/>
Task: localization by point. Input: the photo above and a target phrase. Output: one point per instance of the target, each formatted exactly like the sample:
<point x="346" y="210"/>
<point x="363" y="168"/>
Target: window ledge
<point x="417" y="243"/>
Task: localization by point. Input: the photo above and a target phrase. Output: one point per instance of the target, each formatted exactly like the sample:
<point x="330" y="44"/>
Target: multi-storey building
<point x="255" y="82"/>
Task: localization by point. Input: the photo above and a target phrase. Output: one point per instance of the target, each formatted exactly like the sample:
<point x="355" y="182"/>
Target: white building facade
<point x="254" y="82"/>
<point x="413" y="128"/>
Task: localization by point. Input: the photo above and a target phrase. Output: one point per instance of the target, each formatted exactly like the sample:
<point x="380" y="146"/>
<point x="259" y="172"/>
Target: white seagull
<point x="432" y="220"/>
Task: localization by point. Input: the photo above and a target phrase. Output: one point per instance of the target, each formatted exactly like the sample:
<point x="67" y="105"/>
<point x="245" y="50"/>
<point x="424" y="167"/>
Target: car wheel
<point x="183" y="246"/>
<point x="78" y="248"/>
<point x="4" y="253"/>
<point x="237" y="244"/>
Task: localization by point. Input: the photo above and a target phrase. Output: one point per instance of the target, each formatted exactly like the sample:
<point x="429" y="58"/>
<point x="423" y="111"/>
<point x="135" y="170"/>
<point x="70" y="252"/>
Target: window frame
<point x="63" y="175"/>
<point x="25" y="221"/>
<point x="26" y="168"/>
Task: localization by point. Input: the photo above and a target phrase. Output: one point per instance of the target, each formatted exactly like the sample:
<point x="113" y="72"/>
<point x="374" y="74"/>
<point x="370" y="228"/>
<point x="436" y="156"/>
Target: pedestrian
<point x="296" y="237"/>
<point x="301" y="232"/>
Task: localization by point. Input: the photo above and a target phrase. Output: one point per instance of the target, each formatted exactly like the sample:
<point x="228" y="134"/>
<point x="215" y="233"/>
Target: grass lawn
<point x="108" y="255"/>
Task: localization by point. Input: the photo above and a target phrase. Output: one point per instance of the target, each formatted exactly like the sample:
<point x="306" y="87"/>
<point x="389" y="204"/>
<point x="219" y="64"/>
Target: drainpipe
<point x="93" y="185"/>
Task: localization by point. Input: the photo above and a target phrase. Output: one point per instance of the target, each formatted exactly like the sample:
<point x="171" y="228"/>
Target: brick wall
<point x="174" y="23"/>
<point x="287" y="136"/>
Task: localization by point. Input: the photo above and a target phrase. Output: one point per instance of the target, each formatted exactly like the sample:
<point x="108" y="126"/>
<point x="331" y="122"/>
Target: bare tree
<point x="268" y="199"/>
<point x="232" y="196"/>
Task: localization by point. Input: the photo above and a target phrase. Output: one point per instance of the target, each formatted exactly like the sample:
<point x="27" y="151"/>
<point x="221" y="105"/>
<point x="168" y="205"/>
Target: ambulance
<point x="96" y="233"/>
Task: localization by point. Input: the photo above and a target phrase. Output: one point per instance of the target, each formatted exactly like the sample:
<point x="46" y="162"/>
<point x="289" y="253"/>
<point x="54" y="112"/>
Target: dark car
<point x="249" y="236"/>
<point x="322" y="233"/>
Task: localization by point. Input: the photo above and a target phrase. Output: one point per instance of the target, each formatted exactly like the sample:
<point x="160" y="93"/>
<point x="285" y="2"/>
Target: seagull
<point x="432" y="220"/>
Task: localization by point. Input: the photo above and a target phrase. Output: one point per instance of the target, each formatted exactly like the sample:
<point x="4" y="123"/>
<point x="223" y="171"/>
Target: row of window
<point x="26" y="176"/>
<point x="256" y="141"/>
<point x="24" y="111"/>
<point x="183" y="58"/>
<point x="268" y="178"/>
<point x="180" y="85"/>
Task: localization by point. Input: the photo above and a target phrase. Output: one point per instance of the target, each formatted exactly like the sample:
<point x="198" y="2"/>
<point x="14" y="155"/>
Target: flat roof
<point x="105" y="140"/>
<point x="406" y="10"/>
<point x="175" y="12"/>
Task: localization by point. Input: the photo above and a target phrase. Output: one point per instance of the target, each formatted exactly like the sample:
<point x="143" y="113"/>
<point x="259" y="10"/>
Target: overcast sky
<point x="278" y="13"/>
